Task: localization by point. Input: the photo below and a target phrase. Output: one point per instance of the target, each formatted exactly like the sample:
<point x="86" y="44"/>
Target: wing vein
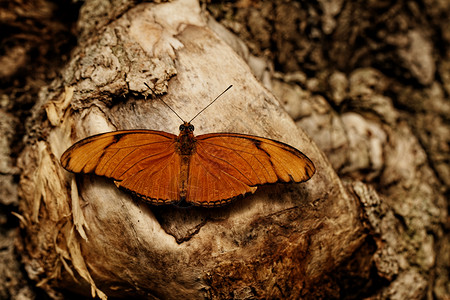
<point x="145" y="158"/>
<point x="218" y="178"/>
<point x="139" y="161"/>
<point x="228" y="163"/>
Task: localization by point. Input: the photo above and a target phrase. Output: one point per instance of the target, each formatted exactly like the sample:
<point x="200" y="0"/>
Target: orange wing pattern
<point x="141" y="161"/>
<point x="226" y="165"/>
<point x="220" y="166"/>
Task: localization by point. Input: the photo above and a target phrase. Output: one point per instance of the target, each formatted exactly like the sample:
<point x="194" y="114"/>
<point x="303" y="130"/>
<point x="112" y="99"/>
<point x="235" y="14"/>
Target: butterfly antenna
<point x="165" y="102"/>
<point x="210" y="103"/>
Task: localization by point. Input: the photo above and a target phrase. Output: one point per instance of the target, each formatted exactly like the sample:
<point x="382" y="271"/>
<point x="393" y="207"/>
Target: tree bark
<point x="276" y="243"/>
<point x="371" y="223"/>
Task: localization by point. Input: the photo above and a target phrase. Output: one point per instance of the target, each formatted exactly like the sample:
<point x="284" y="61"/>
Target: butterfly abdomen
<point x="185" y="147"/>
<point x="184" y="173"/>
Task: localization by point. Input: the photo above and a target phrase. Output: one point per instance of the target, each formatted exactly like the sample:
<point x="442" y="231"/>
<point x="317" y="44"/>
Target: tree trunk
<point x="371" y="223"/>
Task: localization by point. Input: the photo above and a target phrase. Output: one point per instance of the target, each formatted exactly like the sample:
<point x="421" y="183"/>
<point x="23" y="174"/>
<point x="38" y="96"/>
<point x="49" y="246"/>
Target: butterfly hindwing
<point x="158" y="182"/>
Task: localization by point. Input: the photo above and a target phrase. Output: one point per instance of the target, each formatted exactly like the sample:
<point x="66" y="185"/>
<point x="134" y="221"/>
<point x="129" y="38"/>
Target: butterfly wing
<point x="226" y="165"/>
<point x="143" y="162"/>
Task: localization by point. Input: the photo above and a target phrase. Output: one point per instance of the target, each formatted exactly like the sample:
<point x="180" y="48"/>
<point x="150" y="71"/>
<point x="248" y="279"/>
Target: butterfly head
<point x="186" y="128"/>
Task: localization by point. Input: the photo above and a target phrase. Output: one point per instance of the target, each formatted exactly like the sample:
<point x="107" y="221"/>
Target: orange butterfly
<point x="205" y="170"/>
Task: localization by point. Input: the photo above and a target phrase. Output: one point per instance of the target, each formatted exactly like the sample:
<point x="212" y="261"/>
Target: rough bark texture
<point x="367" y="81"/>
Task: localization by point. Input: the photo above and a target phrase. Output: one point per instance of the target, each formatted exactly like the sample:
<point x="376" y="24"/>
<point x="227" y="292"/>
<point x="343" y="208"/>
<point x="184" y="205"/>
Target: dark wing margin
<point x="226" y="165"/>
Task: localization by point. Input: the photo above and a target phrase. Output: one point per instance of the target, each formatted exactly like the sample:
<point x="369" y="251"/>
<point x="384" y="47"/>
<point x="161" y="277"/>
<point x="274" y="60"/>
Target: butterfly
<point x="206" y="170"/>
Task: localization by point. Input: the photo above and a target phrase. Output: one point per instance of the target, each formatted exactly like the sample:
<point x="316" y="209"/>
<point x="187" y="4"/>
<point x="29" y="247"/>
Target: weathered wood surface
<point x="328" y="238"/>
<point x="276" y="243"/>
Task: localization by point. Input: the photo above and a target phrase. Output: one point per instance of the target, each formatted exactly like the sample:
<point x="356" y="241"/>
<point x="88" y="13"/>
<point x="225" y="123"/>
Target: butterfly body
<point x="185" y="147"/>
